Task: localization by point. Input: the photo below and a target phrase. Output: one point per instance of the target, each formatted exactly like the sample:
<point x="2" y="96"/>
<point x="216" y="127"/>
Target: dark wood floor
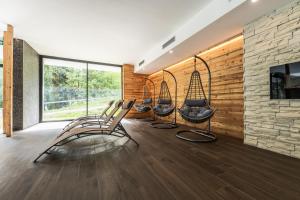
<point x="163" y="167"/>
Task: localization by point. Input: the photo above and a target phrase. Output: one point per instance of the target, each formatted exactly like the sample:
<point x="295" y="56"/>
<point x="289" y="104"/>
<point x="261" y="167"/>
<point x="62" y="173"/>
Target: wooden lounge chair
<point x="94" y="117"/>
<point x="104" y="119"/>
<point x="115" y="128"/>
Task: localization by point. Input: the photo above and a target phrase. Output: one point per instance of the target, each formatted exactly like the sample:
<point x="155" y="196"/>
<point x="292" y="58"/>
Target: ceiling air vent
<point x="170" y="41"/>
<point x="141" y="63"/>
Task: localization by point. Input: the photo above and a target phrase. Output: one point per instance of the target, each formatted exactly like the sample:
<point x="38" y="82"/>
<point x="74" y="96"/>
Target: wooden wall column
<point x="8" y="81"/>
<point x="133" y="88"/>
<point x="226" y="65"/>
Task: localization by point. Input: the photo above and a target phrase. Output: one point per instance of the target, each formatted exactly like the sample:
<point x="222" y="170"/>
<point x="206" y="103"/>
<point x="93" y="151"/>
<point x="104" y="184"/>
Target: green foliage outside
<point x="1" y="85"/>
<point x="1" y="82"/>
<point x="62" y="84"/>
<point x="65" y="91"/>
<point x="1" y="72"/>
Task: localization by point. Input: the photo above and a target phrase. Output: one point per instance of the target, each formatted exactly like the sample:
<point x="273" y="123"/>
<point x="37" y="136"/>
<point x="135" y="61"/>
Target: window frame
<point x="41" y="81"/>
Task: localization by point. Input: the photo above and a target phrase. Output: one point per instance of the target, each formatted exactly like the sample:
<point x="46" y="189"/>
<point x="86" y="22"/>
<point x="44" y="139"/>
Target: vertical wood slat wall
<point x="133" y="88"/>
<point x="8" y="81"/>
<point x="226" y="64"/>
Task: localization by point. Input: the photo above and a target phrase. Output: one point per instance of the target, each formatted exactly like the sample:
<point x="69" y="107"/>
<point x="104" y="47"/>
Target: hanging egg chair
<point x="148" y="103"/>
<point x="165" y="106"/>
<point x="196" y="107"/>
<point x="145" y="106"/>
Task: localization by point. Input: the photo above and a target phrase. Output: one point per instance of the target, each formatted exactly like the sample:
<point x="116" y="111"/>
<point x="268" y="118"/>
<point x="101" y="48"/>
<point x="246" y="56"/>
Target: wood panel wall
<point x="226" y="64"/>
<point x="8" y="81"/>
<point x="133" y="88"/>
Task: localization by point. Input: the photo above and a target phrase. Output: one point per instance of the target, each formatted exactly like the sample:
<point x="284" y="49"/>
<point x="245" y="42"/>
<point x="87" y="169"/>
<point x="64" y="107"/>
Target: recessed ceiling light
<point x="253" y="1"/>
<point x="171" y="51"/>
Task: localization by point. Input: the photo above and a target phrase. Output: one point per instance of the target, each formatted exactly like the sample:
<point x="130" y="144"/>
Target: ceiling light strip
<point x="212" y="48"/>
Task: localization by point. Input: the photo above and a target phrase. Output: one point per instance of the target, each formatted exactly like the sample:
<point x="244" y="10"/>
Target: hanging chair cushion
<point x="163" y="109"/>
<point x="147" y="101"/>
<point x="142" y="108"/>
<point x="195" y="103"/>
<point x="164" y="101"/>
<point x="195" y="112"/>
<point x="145" y="106"/>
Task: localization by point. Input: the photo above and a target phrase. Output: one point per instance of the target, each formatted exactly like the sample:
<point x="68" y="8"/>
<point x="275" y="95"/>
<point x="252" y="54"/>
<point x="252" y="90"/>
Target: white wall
<point x="30" y="86"/>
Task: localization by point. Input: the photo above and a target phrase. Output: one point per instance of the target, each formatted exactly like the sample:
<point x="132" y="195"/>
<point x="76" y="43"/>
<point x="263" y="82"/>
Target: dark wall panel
<point x="18" y="85"/>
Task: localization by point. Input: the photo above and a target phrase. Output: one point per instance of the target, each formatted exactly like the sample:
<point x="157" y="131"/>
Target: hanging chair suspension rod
<point x="205" y="135"/>
<point x="209" y="86"/>
<point x="175" y="93"/>
<point x="147" y="79"/>
<point x="209" y="77"/>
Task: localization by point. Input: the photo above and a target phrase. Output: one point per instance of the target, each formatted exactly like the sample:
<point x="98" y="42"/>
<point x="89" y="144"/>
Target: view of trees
<point x="66" y="89"/>
<point x="1" y="72"/>
<point x="1" y="82"/>
<point x="62" y="84"/>
<point x="1" y="85"/>
<point x="103" y="83"/>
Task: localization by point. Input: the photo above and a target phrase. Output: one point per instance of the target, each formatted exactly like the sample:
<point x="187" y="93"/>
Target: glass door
<point x="73" y="89"/>
<point x="1" y="83"/>
<point x="64" y="89"/>
<point x="104" y="85"/>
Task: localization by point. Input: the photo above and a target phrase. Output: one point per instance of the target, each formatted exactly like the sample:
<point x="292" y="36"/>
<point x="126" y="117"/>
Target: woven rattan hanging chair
<point x="146" y="105"/>
<point x="196" y="107"/>
<point x="165" y="105"/>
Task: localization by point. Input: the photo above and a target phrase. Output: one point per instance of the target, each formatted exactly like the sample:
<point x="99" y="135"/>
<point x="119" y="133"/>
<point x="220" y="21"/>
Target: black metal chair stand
<point x="197" y="108"/>
<point x="164" y="106"/>
<point x="203" y="136"/>
<point x="147" y="104"/>
<point x="164" y="125"/>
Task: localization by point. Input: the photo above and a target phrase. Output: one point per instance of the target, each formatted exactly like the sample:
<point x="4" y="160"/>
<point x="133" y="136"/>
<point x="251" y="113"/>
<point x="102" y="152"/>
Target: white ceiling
<point x="218" y="21"/>
<point x="111" y="31"/>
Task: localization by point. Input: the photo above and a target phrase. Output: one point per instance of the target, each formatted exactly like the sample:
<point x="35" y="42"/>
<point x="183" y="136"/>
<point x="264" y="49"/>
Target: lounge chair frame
<point x="115" y="128"/>
<point x="96" y="121"/>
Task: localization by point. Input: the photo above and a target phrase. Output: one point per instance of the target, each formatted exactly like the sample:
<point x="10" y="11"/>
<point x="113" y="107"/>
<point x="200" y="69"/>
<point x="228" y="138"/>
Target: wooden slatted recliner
<point x="115" y="128"/>
<point x="93" y="121"/>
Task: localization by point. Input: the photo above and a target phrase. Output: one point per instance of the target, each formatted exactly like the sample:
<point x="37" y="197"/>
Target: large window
<point x="72" y="89"/>
<point x="1" y="84"/>
<point x="104" y="84"/>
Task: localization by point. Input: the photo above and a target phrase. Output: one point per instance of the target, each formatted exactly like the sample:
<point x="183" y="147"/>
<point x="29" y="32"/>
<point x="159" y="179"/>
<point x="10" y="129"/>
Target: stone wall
<point x="26" y="86"/>
<point x="271" y="40"/>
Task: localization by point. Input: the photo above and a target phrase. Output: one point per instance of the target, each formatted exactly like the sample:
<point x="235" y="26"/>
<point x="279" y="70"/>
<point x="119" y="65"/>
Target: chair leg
<point x="62" y="139"/>
<point x="164" y="125"/>
<point x="205" y="136"/>
<point x="127" y="134"/>
<point x="40" y="155"/>
<point x="58" y="140"/>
